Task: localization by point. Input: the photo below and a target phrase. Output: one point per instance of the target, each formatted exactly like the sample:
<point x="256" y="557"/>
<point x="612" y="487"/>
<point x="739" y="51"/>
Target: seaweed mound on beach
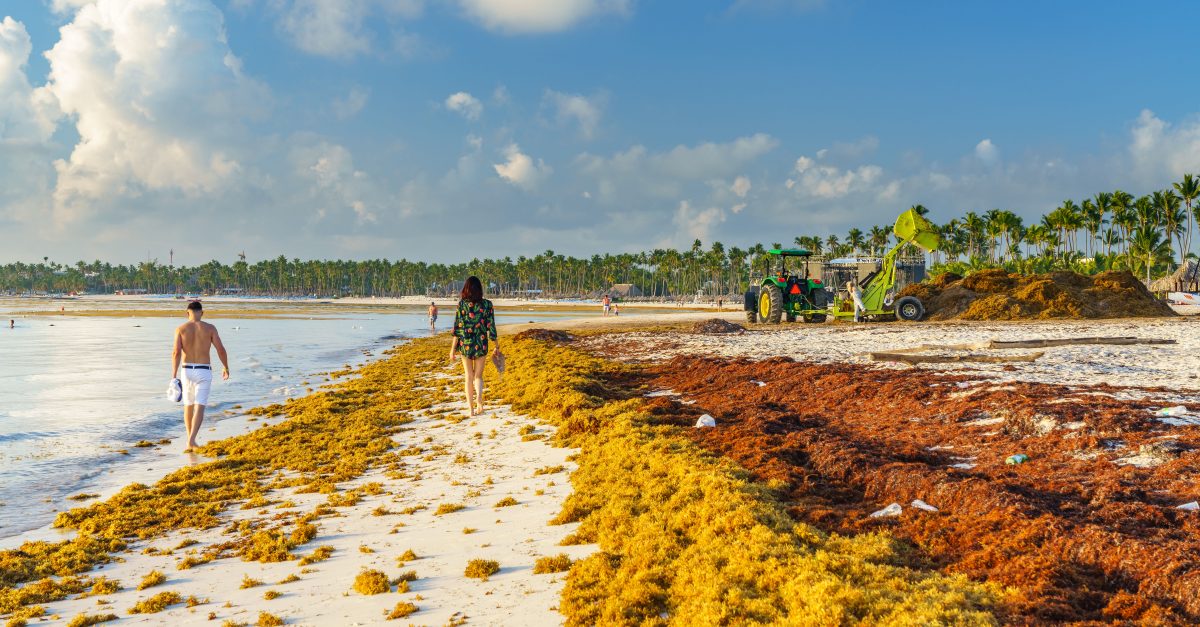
<point x="997" y="294"/>
<point x="546" y="335"/>
<point x="717" y="326"/>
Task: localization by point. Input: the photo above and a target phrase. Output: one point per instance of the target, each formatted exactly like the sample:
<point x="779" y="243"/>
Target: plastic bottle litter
<point x="1189" y="507"/>
<point x="891" y="510"/>
<point x="758" y="383"/>
<point x="706" y="421"/>
<point x="1019" y="458"/>
<point x="1178" y="410"/>
<point x="919" y="504"/>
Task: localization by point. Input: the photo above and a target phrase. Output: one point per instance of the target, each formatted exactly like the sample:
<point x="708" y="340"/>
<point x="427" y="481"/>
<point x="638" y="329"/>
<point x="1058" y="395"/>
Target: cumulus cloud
<point x="580" y="110"/>
<point x="986" y="151"/>
<point x="826" y="181"/>
<point x="520" y="169"/>
<point x="1159" y="148"/>
<point x="539" y="16"/>
<point x="26" y="114"/>
<point x="352" y="103"/>
<point x="465" y="105"/>
<point x="157" y="98"/>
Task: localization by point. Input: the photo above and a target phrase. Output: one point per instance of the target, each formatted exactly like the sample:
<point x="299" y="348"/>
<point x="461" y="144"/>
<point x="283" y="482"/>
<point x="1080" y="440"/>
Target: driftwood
<point x="1037" y="343"/>
<point x="913" y="360"/>
<point x="1076" y="340"/>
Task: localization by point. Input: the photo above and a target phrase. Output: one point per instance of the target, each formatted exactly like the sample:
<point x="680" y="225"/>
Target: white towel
<point x="175" y="391"/>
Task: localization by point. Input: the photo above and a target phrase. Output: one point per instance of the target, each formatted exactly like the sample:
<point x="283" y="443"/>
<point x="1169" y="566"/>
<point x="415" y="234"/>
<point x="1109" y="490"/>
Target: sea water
<point x="77" y="391"/>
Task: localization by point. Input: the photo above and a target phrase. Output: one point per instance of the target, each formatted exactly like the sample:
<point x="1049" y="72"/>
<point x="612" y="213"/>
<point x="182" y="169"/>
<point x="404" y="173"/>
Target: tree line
<point x="1147" y="235"/>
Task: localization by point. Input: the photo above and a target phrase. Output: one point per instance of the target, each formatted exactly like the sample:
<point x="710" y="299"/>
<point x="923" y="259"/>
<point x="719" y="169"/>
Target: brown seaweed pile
<point x="545" y="335"/>
<point x="717" y="326"/>
<point x="1079" y="534"/>
<point x="996" y="294"/>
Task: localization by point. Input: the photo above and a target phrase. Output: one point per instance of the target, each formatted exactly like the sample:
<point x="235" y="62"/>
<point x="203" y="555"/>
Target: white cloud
<point x="826" y="181"/>
<point x="465" y="104"/>
<point x="337" y="28"/>
<point x="157" y="98"/>
<point x="26" y="114"/>
<point x="1159" y="148"/>
<point x="738" y="207"/>
<point x="575" y="108"/>
<point x="539" y="16"/>
<point x="68" y="6"/>
<point x="693" y="223"/>
<point x="520" y="169"/>
<point x="636" y="174"/>
<point x="348" y="107"/>
<point x="986" y="151"/>
<point x="741" y="186"/>
<point x="334" y="185"/>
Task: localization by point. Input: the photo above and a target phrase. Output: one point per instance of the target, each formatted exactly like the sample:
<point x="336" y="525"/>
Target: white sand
<point x="514" y="536"/>
<point x="1176" y="366"/>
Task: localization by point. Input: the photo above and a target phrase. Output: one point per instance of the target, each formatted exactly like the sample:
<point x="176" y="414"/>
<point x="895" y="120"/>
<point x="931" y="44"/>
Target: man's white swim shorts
<point x="197" y="379"/>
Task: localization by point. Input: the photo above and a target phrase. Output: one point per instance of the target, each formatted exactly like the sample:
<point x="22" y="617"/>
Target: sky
<point x="447" y="130"/>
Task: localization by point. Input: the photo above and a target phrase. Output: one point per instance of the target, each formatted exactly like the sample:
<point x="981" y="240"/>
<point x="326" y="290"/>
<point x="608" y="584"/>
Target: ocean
<point x="75" y="391"/>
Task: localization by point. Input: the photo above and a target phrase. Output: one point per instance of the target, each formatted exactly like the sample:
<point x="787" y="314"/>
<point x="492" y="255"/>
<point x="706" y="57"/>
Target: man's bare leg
<point x="197" y="419"/>
<point x="187" y="425"/>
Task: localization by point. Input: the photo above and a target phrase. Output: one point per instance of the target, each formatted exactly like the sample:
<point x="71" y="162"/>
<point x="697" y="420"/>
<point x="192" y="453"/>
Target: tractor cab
<point x="783" y="293"/>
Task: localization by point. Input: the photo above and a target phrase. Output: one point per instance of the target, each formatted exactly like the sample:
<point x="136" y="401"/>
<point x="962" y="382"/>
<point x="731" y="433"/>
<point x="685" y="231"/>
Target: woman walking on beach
<point x="474" y="325"/>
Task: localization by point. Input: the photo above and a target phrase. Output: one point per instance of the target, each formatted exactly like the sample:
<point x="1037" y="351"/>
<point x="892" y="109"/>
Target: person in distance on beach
<point x="432" y="316"/>
<point x="193" y="339"/>
<point x="474" y="325"/>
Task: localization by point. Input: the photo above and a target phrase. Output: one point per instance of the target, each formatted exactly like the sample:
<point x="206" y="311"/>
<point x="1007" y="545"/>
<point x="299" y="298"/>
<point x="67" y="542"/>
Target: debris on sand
<point x="717" y="326"/>
<point x="996" y="294"/>
<point x="546" y="335"/>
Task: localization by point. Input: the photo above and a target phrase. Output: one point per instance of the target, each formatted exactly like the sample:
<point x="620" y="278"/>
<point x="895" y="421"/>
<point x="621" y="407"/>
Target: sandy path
<point x="475" y="463"/>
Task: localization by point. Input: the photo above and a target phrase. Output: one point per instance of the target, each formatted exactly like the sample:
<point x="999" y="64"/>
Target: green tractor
<point x="787" y="295"/>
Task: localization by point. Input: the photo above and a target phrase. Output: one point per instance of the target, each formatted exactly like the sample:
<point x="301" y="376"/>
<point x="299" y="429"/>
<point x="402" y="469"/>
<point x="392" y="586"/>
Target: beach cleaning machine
<point x="783" y="295"/>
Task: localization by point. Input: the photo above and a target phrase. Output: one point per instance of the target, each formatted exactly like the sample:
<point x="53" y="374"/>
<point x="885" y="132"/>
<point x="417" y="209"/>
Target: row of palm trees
<point x="1111" y="230"/>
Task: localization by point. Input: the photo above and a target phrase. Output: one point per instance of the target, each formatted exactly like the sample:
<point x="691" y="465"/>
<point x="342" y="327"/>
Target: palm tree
<point x="855" y="239"/>
<point x="1150" y="247"/>
<point x="1189" y="190"/>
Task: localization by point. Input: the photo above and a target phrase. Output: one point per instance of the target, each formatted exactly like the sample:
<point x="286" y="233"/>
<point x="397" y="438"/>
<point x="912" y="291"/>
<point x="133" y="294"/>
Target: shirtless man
<point x="192" y="342"/>
<point x="433" y="312"/>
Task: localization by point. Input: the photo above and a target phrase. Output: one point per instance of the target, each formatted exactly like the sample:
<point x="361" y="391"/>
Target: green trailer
<point x="879" y="288"/>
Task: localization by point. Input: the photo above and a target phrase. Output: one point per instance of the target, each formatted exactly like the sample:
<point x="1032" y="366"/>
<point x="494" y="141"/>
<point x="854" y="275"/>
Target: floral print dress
<point x="474" y="324"/>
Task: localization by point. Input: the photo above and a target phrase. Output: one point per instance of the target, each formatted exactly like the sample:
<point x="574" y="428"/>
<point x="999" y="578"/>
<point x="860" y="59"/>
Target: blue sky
<point x="471" y="128"/>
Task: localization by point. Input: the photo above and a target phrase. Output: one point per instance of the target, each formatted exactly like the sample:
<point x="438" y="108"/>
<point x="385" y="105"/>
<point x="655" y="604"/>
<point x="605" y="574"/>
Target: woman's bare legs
<point x="479" y="365"/>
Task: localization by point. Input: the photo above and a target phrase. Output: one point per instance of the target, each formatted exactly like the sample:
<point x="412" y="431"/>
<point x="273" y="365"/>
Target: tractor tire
<point x="909" y="308"/>
<point x="770" y="304"/>
<point x="751" y="305"/>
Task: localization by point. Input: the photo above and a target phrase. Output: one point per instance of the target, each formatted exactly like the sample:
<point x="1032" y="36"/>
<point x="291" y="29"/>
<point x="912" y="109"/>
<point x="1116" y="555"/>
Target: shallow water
<point x="74" y="391"/>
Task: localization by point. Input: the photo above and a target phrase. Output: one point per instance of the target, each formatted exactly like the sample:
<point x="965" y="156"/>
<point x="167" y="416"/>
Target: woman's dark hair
<point x="472" y="290"/>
